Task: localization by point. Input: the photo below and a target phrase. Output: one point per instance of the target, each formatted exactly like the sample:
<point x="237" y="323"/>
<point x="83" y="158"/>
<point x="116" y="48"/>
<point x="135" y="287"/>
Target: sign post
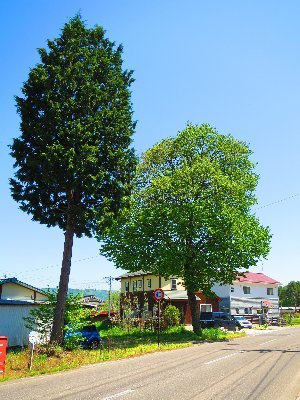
<point x="158" y="296"/>
<point x="33" y="339"/>
<point x="3" y="347"/>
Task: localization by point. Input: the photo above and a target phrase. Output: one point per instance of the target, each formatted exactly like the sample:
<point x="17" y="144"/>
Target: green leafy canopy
<point x="290" y="294"/>
<point x="190" y="213"/>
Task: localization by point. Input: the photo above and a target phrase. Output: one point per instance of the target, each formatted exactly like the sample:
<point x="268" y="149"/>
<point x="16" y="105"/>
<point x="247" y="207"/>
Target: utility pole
<point x="109" y="280"/>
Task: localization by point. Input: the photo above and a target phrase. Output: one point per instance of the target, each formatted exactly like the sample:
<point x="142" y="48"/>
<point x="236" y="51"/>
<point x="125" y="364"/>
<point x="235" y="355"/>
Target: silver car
<point x="242" y="321"/>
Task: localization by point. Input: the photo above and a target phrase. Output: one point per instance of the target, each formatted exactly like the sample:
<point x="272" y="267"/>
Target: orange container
<point x="3" y="347"/>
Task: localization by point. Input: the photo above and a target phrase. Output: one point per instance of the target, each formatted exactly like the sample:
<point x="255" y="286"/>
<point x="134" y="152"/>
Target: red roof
<point x="256" y="277"/>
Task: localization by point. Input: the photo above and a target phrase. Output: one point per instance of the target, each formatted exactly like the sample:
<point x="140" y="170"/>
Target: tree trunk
<point x="194" y="312"/>
<point x="59" y="312"/>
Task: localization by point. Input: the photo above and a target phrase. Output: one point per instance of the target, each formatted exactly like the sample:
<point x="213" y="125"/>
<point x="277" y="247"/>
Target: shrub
<point x="41" y="318"/>
<point x="213" y="334"/>
<point x="171" y="316"/>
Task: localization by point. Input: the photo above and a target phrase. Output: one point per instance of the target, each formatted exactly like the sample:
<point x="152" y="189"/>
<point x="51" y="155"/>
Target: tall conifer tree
<point x="74" y="161"/>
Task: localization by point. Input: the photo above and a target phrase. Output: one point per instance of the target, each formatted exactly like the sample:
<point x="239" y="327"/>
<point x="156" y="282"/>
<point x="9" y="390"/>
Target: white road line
<point x="120" y="394"/>
<point x="269" y="341"/>
<point x="223" y="358"/>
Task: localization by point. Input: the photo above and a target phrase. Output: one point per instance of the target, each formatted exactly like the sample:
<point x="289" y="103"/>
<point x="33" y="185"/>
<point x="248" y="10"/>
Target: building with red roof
<point x="256" y="277"/>
<point x="251" y="293"/>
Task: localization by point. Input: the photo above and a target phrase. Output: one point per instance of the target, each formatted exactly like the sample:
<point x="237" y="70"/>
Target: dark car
<point x="225" y="320"/>
<point x="87" y="336"/>
<point x="218" y="320"/>
<point x="206" y="320"/>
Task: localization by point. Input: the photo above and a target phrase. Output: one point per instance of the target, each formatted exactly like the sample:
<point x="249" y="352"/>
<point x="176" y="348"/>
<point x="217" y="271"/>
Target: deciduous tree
<point x="74" y="158"/>
<point x="191" y="213"/>
<point x="289" y="295"/>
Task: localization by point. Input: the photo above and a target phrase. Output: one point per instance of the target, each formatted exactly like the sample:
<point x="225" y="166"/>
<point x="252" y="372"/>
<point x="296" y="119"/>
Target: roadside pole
<point x="31" y="356"/>
<point x="109" y="281"/>
<point x="158" y="331"/>
<point x="33" y="339"/>
<point x="158" y="296"/>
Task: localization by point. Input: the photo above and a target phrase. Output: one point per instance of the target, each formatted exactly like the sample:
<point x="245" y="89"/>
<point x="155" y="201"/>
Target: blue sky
<point x="232" y="64"/>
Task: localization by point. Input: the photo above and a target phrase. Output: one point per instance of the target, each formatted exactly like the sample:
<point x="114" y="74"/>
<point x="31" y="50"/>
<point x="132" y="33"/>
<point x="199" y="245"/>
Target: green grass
<point x="118" y="344"/>
<point x="262" y="327"/>
<point x="294" y="321"/>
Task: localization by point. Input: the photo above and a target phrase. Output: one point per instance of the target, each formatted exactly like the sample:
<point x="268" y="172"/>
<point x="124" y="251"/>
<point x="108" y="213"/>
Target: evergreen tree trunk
<point x="194" y="311"/>
<point x="58" y="320"/>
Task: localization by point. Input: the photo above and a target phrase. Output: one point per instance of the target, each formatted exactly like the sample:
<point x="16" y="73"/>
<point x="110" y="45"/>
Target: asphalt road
<point x="258" y="367"/>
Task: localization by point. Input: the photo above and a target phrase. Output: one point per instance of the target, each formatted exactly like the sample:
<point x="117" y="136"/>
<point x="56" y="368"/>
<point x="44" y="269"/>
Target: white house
<point x="250" y="293"/>
<point x="17" y="299"/>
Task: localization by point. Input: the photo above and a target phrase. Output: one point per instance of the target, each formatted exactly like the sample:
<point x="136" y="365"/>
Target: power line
<point x="53" y="266"/>
<point x="278" y="201"/>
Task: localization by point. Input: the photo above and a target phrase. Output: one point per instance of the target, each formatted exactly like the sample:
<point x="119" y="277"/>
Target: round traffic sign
<point x="158" y="294"/>
<point x="33" y="337"/>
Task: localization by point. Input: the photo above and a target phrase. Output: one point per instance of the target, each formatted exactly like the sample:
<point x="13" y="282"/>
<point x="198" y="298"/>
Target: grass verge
<point x="117" y="345"/>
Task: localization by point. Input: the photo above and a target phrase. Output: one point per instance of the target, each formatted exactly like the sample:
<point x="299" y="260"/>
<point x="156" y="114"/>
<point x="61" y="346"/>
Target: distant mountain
<point x="101" y="294"/>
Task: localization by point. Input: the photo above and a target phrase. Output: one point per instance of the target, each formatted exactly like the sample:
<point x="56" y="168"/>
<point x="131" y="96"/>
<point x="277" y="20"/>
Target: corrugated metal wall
<point x="255" y="303"/>
<point x="232" y="303"/>
<point x="13" y="325"/>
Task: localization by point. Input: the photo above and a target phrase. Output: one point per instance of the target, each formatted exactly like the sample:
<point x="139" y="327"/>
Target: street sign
<point x="158" y="295"/>
<point x="33" y="337"/>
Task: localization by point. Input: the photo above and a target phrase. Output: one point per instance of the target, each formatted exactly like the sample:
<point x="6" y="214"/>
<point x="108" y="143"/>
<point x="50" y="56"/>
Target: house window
<point x="140" y="284"/>
<point x="148" y="283"/>
<point x="232" y="289"/>
<point x="173" y="284"/>
<point x="270" y="291"/>
<point x="237" y="310"/>
<point x="134" y="286"/>
<point x="205" y="308"/>
<point x="246" y="289"/>
<point x="126" y="286"/>
<point x="246" y="310"/>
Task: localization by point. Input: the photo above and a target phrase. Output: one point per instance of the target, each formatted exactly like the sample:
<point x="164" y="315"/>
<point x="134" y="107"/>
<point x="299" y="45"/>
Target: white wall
<point x="256" y="290"/>
<point x="12" y="291"/>
<point x="13" y="325"/>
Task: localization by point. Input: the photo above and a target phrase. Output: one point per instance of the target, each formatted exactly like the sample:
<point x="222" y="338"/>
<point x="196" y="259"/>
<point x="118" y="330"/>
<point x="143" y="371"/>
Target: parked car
<point x="242" y="321"/>
<point x="206" y="320"/>
<point x="88" y="336"/>
<point x="218" y="320"/>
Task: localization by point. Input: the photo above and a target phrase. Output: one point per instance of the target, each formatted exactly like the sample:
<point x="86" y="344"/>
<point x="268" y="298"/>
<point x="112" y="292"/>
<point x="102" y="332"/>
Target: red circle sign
<point x="158" y="294"/>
